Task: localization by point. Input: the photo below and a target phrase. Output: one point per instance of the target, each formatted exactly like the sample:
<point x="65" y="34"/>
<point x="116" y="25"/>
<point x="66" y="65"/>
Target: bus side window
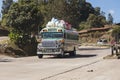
<point x="65" y="35"/>
<point x="71" y="36"/>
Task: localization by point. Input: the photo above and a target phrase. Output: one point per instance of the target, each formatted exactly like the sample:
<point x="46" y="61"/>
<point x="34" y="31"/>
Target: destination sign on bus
<point x="52" y="30"/>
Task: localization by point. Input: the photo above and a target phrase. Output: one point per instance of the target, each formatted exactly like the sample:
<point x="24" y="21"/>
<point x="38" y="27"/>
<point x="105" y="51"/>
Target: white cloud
<point x="111" y="11"/>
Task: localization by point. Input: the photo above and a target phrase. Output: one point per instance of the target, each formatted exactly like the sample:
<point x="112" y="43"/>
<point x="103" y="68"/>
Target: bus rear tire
<point x="73" y="53"/>
<point x="40" y="55"/>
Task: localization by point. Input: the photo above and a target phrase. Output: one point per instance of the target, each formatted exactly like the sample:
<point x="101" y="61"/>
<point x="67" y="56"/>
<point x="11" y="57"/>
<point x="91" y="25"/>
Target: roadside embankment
<point x="93" y="46"/>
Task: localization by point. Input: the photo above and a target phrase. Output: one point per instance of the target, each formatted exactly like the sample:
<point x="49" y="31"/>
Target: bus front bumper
<point x="49" y="51"/>
<point x="46" y="53"/>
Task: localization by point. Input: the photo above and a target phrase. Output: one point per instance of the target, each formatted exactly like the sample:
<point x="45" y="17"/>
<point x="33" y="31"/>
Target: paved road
<point x="3" y="37"/>
<point x="87" y="65"/>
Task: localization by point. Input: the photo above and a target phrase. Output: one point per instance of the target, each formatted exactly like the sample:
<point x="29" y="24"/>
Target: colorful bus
<point x="57" y="41"/>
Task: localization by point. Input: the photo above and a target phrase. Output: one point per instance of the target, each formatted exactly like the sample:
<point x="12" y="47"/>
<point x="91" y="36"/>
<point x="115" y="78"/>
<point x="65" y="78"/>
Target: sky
<point x="107" y="6"/>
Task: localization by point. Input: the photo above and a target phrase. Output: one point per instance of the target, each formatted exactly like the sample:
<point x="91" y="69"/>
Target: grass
<point x="111" y="57"/>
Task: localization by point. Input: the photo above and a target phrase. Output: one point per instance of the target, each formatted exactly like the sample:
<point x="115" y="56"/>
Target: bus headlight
<point x="61" y="41"/>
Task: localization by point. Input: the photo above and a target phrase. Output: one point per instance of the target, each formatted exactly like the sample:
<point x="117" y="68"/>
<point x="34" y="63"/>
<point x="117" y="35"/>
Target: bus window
<point x="52" y="35"/>
<point x="71" y="36"/>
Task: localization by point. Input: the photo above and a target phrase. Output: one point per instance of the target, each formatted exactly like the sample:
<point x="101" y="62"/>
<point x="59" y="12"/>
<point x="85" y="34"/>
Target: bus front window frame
<point x="47" y="35"/>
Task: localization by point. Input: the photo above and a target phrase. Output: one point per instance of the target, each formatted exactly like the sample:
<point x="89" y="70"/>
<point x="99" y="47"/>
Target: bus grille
<point x="48" y="44"/>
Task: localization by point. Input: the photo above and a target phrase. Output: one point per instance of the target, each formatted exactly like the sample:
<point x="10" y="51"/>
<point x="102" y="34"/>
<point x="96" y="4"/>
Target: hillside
<point x="94" y="34"/>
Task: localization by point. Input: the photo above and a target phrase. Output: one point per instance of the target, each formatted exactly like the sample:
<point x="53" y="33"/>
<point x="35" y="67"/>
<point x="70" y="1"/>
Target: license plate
<point x="48" y="50"/>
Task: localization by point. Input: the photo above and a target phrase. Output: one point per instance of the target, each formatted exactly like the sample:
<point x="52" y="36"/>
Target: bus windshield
<point x="52" y="35"/>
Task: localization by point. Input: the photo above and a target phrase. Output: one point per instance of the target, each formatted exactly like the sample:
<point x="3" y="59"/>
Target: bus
<point x="57" y="41"/>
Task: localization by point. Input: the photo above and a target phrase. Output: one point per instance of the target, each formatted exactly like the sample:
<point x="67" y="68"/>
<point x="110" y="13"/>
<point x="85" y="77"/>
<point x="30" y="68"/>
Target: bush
<point x="22" y="44"/>
<point x="14" y="36"/>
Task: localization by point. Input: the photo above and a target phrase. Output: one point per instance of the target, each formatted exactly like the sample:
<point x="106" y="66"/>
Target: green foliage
<point x="3" y="22"/>
<point x="85" y="9"/>
<point x="14" y="36"/>
<point x="97" y="10"/>
<point x="116" y="31"/>
<point x="83" y="25"/>
<point x="56" y="8"/>
<point x="23" y="18"/>
<point x="96" y="21"/>
<point x="72" y="11"/>
<point x="93" y="21"/>
<point x="27" y="15"/>
<point x="5" y="6"/>
<point x="110" y="18"/>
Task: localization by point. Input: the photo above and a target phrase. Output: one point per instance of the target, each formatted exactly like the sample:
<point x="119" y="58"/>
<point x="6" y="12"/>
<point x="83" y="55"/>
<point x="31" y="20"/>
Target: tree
<point x="23" y="18"/>
<point x="85" y="9"/>
<point x="72" y="14"/>
<point x="116" y="33"/>
<point x="97" y="10"/>
<point x="56" y="9"/>
<point x="72" y="11"/>
<point x="6" y="5"/>
<point x="110" y="18"/>
<point x="102" y="13"/>
<point x="96" y="19"/>
<point x="93" y="21"/>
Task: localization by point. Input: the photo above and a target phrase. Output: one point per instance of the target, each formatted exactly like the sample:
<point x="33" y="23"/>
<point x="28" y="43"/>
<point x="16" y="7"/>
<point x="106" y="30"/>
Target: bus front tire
<point x="62" y="53"/>
<point x="40" y="55"/>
